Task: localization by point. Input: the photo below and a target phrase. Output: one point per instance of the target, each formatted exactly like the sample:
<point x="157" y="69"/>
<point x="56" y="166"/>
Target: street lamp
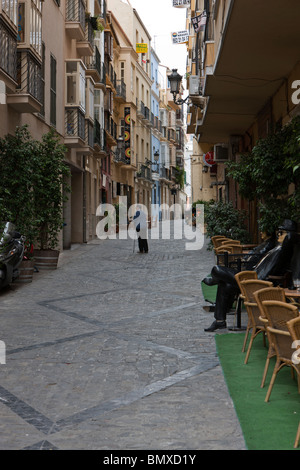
<point x="120" y="143"/>
<point x="175" y="83"/>
<point x="156" y="156"/>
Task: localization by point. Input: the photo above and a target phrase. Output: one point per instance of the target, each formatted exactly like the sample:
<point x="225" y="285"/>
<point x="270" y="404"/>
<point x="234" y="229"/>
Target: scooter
<point x="11" y="254"/>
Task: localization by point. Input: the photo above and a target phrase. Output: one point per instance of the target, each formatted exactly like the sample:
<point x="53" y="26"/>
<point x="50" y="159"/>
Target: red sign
<point x="208" y="159"/>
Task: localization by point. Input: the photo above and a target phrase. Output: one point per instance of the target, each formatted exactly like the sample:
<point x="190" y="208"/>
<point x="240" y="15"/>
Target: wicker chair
<point x="278" y="315"/>
<point x="255" y="325"/>
<point x="230" y="241"/>
<point x="239" y="277"/>
<point x="268" y="293"/>
<point x="223" y="249"/>
<point x="235" y="247"/>
<point x="294" y="329"/>
<point x="297" y="438"/>
<point x="217" y="240"/>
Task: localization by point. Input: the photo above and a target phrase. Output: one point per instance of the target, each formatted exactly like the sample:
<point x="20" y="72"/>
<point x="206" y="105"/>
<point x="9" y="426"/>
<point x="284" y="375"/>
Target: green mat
<point x="209" y="292"/>
<point x="266" y="426"/>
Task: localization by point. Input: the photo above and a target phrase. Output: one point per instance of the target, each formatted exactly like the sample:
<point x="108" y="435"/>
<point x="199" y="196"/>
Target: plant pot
<point x="94" y="23"/>
<point x="26" y="269"/>
<point x="46" y="259"/>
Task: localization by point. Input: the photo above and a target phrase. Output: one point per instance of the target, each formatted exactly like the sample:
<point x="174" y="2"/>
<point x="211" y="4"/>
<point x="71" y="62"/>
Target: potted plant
<point x="267" y="174"/>
<point x="50" y="193"/>
<point x="18" y="155"/>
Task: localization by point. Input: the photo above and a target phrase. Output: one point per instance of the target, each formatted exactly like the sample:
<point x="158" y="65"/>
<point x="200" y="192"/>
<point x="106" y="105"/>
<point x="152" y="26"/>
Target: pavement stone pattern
<point x="108" y="351"/>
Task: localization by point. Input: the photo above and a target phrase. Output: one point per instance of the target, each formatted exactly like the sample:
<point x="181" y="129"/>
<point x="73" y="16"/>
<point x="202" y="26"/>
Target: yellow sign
<point x="141" y="48"/>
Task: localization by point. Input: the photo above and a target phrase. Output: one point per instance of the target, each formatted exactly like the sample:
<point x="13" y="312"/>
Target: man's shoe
<point x="216" y="325"/>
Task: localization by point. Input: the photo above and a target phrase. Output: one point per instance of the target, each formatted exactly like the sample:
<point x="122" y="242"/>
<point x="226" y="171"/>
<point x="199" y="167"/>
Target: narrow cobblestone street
<point x="109" y="352"/>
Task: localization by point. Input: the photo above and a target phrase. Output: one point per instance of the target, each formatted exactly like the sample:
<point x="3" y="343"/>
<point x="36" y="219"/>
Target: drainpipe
<point x="84" y="200"/>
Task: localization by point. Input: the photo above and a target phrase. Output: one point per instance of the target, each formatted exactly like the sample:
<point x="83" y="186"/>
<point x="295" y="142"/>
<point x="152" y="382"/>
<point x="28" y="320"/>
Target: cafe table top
<point x="292" y="293"/>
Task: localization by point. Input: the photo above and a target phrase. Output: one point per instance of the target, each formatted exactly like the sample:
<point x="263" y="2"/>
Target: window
<point x="10" y="8"/>
<point x="122" y="71"/>
<point x="90" y="98"/>
<point x="97" y="107"/>
<point x="31" y="33"/>
<point x="132" y="78"/>
<point x="52" y="91"/>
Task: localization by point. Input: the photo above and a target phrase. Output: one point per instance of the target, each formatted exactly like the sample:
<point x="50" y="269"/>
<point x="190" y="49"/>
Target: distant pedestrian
<point x="141" y="226"/>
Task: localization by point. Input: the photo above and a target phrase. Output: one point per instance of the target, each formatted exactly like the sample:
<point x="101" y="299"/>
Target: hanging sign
<point x="181" y="37"/>
<point x="141" y="48"/>
<point x="127" y="134"/>
<point x="208" y="159"/>
<point x="199" y="22"/>
<point x="181" y="3"/>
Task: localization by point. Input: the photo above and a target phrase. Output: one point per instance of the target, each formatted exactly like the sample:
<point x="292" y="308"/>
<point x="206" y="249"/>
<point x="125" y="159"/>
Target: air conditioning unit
<point x="221" y="153"/>
<point x="194" y="84"/>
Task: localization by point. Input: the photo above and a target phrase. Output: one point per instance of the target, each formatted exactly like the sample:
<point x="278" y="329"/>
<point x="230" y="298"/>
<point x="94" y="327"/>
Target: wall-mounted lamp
<point x="175" y="83"/>
<point x="120" y="143"/>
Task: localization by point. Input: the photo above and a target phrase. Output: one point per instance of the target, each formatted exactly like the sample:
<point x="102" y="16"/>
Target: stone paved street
<point x="109" y="352"/>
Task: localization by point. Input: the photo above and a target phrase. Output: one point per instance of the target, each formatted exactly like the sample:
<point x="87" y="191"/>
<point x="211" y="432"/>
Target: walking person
<point x="140" y="221"/>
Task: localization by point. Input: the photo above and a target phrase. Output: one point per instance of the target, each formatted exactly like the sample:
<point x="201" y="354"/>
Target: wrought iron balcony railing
<point x="164" y="173"/>
<point x="29" y="75"/>
<point x="89" y="133"/>
<point x="89" y="33"/>
<point x="119" y="157"/>
<point x="145" y="172"/>
<point x="99" y="137"/>
<point x="121" y="89"/>
<point x="94" y="62"/>
<point x="75" y="12"/>
<point x="8" y="55"/>
<point x="74" y="123"/>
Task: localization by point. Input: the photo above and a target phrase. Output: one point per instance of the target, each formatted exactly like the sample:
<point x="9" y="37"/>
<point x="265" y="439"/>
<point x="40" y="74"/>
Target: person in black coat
<point x="271" y="258"/>
<point x="141" y="226"/>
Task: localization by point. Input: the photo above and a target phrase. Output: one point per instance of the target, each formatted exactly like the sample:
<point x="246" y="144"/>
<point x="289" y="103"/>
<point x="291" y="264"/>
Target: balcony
<point x="100" y="145"/>
<point x="8" y="56"/>
<point x="145" y="173"/>
<point x="121" y="91"/>
<point x="236" y="94"/>
<point x="101" y="10"/>
<point x="85" y="47"/>
<point x="75" y="19"/>
<point x="89" y="132"/>
<point x="120" y="158"/>
<point x="143" y="112"/>
<point x="140" y="109"/>
<point x="164" y="173"/>
<point x="93" y="65"/>
<point x="74" y="128"/>
<point x="111" y="131"/>
<point x="171" y="135"/>
<point x="28" y="95"/>
<point x="111" y="76"/>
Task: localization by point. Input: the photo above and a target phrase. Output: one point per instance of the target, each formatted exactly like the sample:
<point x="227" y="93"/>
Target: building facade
<point x="90" y="74"/>
<point x="241" y="71"/>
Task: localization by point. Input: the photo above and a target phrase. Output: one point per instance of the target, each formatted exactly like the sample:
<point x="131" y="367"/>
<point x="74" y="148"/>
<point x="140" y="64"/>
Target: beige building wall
<point x="139" y="97"/>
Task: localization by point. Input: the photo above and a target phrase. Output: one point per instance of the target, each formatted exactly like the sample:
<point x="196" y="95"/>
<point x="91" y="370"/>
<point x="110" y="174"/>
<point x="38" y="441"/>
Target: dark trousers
<point x="227" y="290"/>
<point x="143" y="244"/>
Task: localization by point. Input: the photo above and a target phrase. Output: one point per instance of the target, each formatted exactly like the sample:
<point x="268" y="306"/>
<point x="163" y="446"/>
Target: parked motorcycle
<point x="11" y="254"/>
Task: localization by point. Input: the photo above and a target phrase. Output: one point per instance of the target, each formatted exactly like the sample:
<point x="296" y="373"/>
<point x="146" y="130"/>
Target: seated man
<point x="270" y="261"/>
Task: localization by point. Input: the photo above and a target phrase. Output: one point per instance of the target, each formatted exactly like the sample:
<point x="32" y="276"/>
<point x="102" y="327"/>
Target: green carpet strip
<point x="266" y="426"/>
